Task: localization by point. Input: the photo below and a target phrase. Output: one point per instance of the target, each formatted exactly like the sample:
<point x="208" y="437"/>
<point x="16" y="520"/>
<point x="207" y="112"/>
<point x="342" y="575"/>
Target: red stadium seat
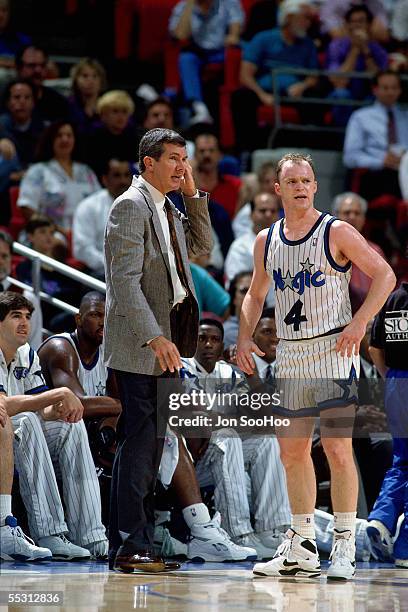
<point x="17" y="221"/>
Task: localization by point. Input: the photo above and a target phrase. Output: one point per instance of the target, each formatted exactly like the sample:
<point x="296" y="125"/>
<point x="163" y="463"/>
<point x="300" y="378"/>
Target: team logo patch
<point x="302" y="279"/>
<point x="20" y="372"/>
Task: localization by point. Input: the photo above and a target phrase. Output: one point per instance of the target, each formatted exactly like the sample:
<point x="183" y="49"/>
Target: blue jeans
<point x="393" y="498"/>
<point x="190" y="65"/>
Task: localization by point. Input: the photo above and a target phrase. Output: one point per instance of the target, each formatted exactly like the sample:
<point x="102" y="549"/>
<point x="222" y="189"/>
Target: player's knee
<point x="338" y="452"/>
<point x="294" y="454"/>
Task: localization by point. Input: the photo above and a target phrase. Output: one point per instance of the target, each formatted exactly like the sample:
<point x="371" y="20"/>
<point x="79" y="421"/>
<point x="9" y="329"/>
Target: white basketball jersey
<point x="93" y="376"/>
<point x="311" y="289"/>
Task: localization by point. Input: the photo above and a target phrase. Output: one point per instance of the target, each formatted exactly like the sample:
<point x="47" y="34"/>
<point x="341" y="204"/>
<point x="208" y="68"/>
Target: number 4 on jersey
<point x="294" y="316"/>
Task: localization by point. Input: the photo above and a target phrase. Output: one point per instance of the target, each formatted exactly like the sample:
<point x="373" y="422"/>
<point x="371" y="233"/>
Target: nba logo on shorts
<point x="314" y="242"/>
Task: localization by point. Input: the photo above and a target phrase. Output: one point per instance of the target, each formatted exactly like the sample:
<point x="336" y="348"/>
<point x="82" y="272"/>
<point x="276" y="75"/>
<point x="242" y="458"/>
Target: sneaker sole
<point x="5" y="557"/>
<point x="341" y="578"/>
<point x="293" y="573"/>
<point x="380" y="550"/>
<point x="68" y="558"/>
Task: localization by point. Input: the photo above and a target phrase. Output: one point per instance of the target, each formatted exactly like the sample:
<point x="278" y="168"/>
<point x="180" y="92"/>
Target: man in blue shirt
<point x="285" y="46"/>
<point x="209" y="26"/>
<point x="376" y="138"/>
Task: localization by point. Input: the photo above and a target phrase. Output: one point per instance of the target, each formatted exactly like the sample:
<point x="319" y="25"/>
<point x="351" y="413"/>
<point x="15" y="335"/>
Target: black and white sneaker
<point x="295" y="557"/>
<point x="343" y="557"/>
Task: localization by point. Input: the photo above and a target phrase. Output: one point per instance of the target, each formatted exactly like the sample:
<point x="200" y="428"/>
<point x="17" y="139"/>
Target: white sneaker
<point x="253" y="541"/>
<point x="380" y="541"/>
<point x="401" y="562"/>
<point x="16" y="546"/>
<point x="343" y="555"/>
<point x="167" y="546"/>
<point x="273" y="538"/>
<point x="99" y="550"/>
<point x="64" y="550"/>
<point x="201" y="113"/>
<point x="211" y="543"/>
<point x="295" y="557"/>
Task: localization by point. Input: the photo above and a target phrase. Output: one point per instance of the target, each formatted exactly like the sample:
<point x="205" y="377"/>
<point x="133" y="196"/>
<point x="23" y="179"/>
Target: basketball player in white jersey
<point x="308" y="255"/>
<point x="46" y="443"/>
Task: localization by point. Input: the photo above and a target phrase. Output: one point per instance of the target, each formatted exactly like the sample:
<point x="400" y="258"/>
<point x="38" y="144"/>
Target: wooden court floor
<point x="198" y="588"/>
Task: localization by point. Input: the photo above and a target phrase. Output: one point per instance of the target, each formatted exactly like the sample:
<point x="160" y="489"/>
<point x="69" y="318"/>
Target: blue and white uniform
<point x="312" y="308"/>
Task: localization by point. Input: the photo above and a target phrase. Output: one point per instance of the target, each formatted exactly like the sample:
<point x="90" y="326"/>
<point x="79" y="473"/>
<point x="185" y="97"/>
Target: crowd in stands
<point x="64" y="159"/>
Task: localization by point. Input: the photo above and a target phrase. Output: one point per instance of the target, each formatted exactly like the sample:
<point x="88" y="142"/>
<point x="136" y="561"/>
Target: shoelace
<point x="284" y="548"/>
<point x="341" y="551"/>
<point x="63" y="538"/>
<point x="17" y="531"/>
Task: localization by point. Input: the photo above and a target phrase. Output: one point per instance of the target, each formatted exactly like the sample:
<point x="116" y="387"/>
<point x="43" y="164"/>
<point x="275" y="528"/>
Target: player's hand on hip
<point x="245" y="361"/>
<point x="167" y="353"/>
<point x="349" y="340"/>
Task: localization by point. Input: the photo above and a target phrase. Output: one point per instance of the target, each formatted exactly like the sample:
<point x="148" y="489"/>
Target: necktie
<point x="392" y="131"/>
<point x="269" y="377"/>
<point x="176" y="249"/>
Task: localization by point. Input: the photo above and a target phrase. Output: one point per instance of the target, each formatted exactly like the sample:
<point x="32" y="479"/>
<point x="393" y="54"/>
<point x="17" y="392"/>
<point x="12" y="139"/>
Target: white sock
<point x="304" y="525"/>
<point x="345" y="521"/>
<point x="196" y="514"/>
<point x="5" y="508"/>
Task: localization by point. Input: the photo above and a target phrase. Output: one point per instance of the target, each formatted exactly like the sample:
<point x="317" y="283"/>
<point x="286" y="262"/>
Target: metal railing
<point x="327" y="101"/>
<point x="39" y="260"/>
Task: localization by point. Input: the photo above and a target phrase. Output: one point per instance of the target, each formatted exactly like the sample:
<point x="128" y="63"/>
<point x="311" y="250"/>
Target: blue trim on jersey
<point x="327" y="249"/>
<point x="309" y="233"/>
<point x="31" y="355"/>
<point x="36" y="390"/>
<point x="268" y="242"/>
<point x="93" y="362"/>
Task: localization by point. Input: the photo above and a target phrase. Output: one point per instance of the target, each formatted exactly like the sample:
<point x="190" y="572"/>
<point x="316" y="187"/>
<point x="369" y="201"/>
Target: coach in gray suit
<point x="151" y="318"/>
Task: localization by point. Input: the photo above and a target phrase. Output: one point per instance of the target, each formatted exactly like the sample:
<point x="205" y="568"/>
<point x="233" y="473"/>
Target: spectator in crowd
<point x="31" y="63"/>
<point x="88" y="78"/>
<point x="49" y="431"/>
<point x="116" y="137"/>
<point x="19" y="123"/>
<point x="284" y="46"/>
<point x="333" y="12"/>
<point x="208" y="26"/>
<point x="223" y="188"/>
<point x="92" y="213"/>
<point x="57" y="183"/>
<point x="355" y="52"/>
<point x="6" y="284"/>
<point x="228" y="460"/>
<point x="237" y="291"/>
<point x="264" y="211"/>
<point x="11" y="42"/>
<point x="266" y="179"/>
<point x="376" y="137"/>
<point x="42" y="238"/>
<point x="352" y="208"/>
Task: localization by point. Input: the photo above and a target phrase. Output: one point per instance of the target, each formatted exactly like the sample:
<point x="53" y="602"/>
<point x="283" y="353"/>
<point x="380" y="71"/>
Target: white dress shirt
<point x="179" y="292"/>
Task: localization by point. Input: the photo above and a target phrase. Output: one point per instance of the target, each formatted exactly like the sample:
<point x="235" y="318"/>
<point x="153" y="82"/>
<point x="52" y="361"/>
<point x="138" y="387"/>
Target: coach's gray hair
<point x="339" y="199"/>
<point x="152" y="143"/>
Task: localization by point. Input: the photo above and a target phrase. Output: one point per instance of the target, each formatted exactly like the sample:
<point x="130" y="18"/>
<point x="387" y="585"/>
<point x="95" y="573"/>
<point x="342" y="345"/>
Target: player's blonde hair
<point x="296" y="158"/>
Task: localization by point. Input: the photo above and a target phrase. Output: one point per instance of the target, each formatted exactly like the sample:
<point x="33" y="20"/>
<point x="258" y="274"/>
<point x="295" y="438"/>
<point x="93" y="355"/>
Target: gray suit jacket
<point x="139" y="292"/>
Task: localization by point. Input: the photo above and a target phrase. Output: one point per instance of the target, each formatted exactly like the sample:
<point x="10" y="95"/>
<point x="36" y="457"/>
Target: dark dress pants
<point x="136" y="464"/>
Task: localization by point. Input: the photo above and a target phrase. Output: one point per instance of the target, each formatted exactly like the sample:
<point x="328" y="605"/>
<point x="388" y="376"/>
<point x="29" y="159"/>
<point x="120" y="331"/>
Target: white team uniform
<point x="247" y="473"/>
<point x="45" y="450"/>
<point x="312" y="308"/>
<point x="93" y="379"/>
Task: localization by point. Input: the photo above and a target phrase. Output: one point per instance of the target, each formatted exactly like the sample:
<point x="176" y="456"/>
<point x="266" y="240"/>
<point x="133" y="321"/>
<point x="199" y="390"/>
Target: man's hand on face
<point x="188" y="186"/>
